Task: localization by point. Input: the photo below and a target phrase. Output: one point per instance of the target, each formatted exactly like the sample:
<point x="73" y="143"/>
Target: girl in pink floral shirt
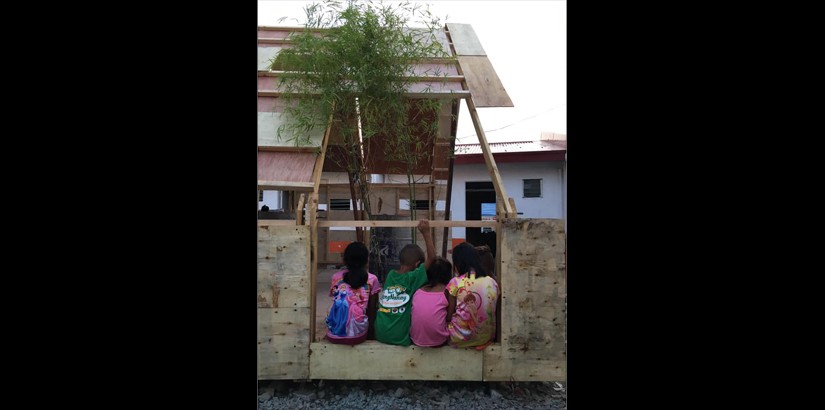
<point x="472" y="300"/>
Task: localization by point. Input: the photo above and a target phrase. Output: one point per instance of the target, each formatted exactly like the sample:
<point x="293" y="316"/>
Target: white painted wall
<point x="564" y="193"/>
<point x="550" y="205"/>
<point x="272" y="199"/>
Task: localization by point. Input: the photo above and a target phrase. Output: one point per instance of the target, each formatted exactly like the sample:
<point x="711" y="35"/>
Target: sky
<point x="526" y="41"/>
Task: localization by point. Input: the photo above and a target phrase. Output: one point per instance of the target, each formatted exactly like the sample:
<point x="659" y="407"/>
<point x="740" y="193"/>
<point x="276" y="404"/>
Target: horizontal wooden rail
<point x="398" y="185"/>
<point x="381" y="224"/>
<point x="275" y="41"/>
<point x="288" y="28"/>
<point x="277" y="222"/>
<point x="416" y="78"/>
<point x="285" y="185"/>
<point x="431" y="94"/>
<point x="288" y="148"/>
<point x="412" y="224"/>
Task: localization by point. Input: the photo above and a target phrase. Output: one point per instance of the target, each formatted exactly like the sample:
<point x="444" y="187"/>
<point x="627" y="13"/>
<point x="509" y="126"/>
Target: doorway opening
<point x="480" y="203"/>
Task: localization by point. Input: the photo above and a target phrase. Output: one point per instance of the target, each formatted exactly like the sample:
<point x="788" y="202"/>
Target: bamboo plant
<point x="354" y="63"/>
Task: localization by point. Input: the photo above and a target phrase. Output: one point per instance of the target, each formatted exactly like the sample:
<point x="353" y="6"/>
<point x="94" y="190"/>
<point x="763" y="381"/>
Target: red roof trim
<point x="502" y="157"/>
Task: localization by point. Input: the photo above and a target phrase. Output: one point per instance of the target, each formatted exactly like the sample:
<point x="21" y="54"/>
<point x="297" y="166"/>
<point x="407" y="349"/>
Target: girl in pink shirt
<point x="355" y="297"/>
<point x="429" y="307"/>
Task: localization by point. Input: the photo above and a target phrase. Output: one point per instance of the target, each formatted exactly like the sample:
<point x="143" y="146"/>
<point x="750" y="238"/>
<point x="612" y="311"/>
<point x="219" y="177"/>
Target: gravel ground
<point x="398" y="395"/>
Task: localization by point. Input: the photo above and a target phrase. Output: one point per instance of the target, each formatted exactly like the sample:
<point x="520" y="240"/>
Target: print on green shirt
<point x="392" y="324"/>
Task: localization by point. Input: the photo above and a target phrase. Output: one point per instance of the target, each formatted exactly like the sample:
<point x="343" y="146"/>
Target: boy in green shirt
<point x="392" y="324"/>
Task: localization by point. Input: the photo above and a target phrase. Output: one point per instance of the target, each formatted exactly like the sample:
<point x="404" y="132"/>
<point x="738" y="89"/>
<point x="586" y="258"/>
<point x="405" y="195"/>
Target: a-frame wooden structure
<point x="530" y="261"/>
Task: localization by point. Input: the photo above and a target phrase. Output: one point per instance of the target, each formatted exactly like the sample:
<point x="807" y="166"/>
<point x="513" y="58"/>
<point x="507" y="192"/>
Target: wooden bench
<point x="373" y="360"/>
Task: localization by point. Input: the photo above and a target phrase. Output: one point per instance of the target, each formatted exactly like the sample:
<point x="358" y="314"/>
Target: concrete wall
<point x="550" y="205"/>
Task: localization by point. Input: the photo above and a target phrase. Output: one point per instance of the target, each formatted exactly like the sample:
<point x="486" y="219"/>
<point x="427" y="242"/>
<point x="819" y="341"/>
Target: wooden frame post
<point x="313" y="223"/>
<point x="501" y="192"/>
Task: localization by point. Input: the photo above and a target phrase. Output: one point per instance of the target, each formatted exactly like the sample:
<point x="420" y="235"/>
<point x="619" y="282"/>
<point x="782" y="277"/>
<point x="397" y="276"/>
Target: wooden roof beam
<point x="406" y="224"/>
<point x="285" y="185"/>
<point x="444" y="94"/>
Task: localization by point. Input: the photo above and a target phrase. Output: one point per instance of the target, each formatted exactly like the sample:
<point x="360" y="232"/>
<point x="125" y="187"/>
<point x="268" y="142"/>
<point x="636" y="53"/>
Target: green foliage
<point x="366" y="53"/>
<point x="356" y="70"/>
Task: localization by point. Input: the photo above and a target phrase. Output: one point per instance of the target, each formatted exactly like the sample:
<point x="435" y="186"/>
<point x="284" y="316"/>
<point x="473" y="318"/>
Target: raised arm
<point x="424" y="228"/>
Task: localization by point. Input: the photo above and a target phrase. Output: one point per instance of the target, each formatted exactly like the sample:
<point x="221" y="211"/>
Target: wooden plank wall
<point x="283" y="343"/>
<point x="283" y="260"/>
<point x="533" y="329"/>
<point x="534" y="289"/>
<point x="284" y="312"/>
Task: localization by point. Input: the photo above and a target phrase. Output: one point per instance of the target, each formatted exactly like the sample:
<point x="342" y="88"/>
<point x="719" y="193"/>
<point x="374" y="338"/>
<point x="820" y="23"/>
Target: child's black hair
<point x="465" y="258"/>
<point x="356" y="256"/>
<point x="441" y="271"/>
<point x="410" y="254"/>
<point x="488" y="262"/>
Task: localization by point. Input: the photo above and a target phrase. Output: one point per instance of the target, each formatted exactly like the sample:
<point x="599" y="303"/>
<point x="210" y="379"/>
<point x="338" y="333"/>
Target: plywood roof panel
<point x="465" y="40"/>
<point x="483" y="82"/>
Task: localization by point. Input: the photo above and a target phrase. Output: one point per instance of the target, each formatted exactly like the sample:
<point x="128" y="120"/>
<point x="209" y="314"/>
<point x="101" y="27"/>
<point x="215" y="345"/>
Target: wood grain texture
<point x="465" y="41"/>
<point x="276" y="222"/>
<point x="502" y="204"/>
<point x="483" y="82"/>
<point x="299" y="210"/>
<point x="389" y="362"/>
<point x="318" y="168"/>
<point x="284" y="186"/>
<point x="313" y="212"/>
<point x="407" y="223"/>
<point x="283" y="266"/>
<point x="534" y="289"/>
<point x="499" y="366"/>
<point x="283" y="343"/>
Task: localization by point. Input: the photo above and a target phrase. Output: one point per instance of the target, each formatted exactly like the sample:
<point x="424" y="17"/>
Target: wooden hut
<point x="531" y="252"/>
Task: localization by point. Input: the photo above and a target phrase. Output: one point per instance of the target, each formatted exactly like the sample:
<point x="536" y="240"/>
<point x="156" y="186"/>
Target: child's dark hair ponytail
<point x="465" y="259"/>
<point x="355" y="256"/>
<point x="441" y="271"/>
